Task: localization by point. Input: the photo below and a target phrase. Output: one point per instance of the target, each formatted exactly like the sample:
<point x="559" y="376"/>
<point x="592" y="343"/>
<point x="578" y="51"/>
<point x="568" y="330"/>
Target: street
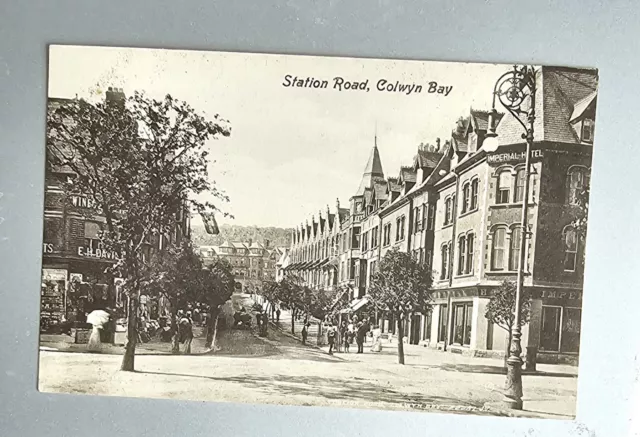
<point x="280" y="370"/>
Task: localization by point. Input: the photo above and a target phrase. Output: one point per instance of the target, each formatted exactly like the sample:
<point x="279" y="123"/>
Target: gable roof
<point x="407" y="174"/>
<point x="426" y="159"/>
<point x="559" y="91"/>
<point x="581" y="106"/>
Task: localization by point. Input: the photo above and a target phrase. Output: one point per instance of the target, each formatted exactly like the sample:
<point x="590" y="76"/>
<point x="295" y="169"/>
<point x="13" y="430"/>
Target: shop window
<point x="474" y="195"/>
<point x="570" y="240"/>
<point x="519" y="191"/>
<point x="504" y="187"/>
<point x="550" y="331"/>
<point x="497" y="249"/>
<point x="442" y="327"/>
<point x="514" y="248"/>
<point x="570" y="338"/>
<point x="462" y="324"/>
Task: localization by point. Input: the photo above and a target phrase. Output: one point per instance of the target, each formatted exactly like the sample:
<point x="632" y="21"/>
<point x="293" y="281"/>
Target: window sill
<point x="509" y="205"/>
<point x="466" y="213"/>
<point x="448" y="225"/>
<point x="504" y="272"/>
<point x="464" y="275"/>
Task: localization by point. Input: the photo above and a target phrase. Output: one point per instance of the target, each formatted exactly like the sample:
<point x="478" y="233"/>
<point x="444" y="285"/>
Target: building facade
<point x="251" y="262"/>
<point x="74" y="261"/>
<point x="458" y="209"/>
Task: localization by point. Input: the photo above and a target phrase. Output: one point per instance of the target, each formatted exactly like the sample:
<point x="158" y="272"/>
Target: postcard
<point x="315" y="231"/>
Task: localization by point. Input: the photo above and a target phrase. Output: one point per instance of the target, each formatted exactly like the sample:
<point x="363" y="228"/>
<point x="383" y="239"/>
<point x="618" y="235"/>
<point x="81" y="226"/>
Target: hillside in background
<point x="234" y="233"/>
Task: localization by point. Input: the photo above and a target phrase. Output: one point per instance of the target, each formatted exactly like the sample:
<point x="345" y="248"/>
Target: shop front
<point x="560" y="323"/>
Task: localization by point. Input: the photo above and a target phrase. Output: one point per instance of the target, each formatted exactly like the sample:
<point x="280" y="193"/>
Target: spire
<point x="373" y="169"/>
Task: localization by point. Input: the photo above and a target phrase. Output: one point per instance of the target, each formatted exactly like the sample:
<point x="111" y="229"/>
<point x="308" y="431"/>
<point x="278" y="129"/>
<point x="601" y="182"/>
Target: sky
<point x="292" y="150"/>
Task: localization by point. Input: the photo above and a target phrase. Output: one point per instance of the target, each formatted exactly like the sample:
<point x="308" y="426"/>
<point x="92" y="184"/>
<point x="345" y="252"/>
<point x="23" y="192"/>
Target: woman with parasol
<point x="97" y="318"/>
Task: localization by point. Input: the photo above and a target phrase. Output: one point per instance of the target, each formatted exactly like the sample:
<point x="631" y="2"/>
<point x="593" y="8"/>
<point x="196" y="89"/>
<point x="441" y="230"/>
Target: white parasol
<point x="98" y="318"/>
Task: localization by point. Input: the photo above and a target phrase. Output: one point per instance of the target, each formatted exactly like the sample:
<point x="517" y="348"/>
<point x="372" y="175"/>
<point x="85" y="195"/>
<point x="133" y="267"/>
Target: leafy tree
<point x="174" y="272"/>
<point x="289" y="293"/>
<point x="501" y="309"/>
<point x="217" y="284"/>
<point x="141" y="162"/>
<point x="402" y="287"/>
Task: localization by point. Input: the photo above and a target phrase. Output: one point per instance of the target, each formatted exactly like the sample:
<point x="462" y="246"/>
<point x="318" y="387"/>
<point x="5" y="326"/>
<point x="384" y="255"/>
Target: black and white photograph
<point x="315" y="231"/>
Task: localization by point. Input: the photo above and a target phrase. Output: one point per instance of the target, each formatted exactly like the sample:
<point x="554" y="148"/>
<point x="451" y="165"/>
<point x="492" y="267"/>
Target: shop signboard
<point x="97" y="253"/>
<point x="513" y="157"/>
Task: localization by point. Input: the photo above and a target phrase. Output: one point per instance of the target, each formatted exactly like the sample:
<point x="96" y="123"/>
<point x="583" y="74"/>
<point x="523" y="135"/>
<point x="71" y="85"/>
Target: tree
<point x="402" y="287"/>
<point x="174" y="272"/>
<point x="141" y="163"/>
<point x="218" y="284"/>
<point x="501" y="309"/>
<point x="289" y="293"/>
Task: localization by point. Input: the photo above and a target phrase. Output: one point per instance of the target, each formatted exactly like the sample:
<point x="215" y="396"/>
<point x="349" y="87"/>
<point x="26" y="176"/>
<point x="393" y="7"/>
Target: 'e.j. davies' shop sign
<point x="513" y="157"/>
<point x="89" y="252"/>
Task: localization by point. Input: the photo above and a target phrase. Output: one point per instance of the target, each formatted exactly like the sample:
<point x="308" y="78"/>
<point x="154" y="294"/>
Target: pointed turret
<point x="372" y="171"/>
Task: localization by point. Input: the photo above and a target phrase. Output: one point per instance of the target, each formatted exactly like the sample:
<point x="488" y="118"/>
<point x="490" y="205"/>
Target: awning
<point x="355" y="305"/>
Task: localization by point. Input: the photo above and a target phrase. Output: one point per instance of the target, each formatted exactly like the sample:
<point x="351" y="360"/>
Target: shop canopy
<point x="356" y="305"/>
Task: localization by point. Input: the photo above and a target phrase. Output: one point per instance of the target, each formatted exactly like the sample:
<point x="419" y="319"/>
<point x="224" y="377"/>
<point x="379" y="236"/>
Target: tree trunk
<point x="293" y="324"/>
<point x="132" y="336"/>
<point x="215" y="333"/>
<point x="212" y="324"/>
<point x="175" y="338"/>
<point x="320" y="337"/>
<point x="400" y="340"/>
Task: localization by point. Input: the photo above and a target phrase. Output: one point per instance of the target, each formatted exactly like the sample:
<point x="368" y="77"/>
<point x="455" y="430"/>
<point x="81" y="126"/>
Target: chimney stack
<point x="266" y="244"/>
<point x="250" y="241"/>
<point x="437" y="144"/>
<point x="115" y="95"/>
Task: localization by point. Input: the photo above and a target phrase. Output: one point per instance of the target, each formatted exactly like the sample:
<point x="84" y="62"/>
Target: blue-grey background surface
<point x="572" y="32"/>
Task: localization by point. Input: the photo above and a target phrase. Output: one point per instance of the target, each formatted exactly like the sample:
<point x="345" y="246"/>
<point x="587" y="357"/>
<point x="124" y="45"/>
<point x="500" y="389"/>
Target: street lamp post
<point x="516" y="91"/>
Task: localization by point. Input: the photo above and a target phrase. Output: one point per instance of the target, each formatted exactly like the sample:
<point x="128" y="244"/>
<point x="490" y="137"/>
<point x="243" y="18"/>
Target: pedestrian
<point x="360" y="336"/>
<point x="343" y="336"/>
<point x="278" y="315"/>
<point x="377" y="339"/>
<point x="331" y="338"/>
<point x="186" y="334"/>
<point x="305" y="333"/>
<point x="346" y="338"/>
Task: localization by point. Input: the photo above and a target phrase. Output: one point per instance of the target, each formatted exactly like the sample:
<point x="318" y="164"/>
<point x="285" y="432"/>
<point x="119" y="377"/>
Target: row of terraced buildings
<point x="457" y="207"/>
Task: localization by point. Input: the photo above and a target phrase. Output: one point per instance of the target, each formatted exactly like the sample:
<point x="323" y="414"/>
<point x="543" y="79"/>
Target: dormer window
<point x="586" y="135"/>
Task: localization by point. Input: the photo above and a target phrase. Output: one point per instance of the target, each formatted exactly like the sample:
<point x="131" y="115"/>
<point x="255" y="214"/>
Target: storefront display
<point x="54" y="285"/>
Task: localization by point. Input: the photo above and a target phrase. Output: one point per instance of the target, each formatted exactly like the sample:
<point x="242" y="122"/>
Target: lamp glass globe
<point x="490" y="144"/>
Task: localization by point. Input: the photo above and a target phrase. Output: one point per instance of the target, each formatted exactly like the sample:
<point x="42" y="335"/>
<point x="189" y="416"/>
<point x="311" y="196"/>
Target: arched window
<point x="447" y="211"/>
<point x="497" y="249"/>
<point x="514" y="248"/>
<point x="474" y="194"/>
<point x="466" y="198"/>
<point x="445" y="261"/>
<point x="576" y="182"/>
<point x="504" y="187"/>
<point x="570" y="242"/>
<point x="519" y="189"/>
<point x="462" y="253"/>
<point x="469" y="260"/>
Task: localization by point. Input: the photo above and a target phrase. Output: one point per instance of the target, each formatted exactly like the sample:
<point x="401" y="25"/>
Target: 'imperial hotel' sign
<point x="509" y="157"/>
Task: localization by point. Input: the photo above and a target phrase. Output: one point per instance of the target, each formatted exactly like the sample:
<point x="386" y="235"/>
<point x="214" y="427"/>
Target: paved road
<point x="280" y="370"/>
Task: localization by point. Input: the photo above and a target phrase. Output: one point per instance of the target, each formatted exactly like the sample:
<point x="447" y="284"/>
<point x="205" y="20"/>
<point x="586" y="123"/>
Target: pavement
<point x="280" y="370"/>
